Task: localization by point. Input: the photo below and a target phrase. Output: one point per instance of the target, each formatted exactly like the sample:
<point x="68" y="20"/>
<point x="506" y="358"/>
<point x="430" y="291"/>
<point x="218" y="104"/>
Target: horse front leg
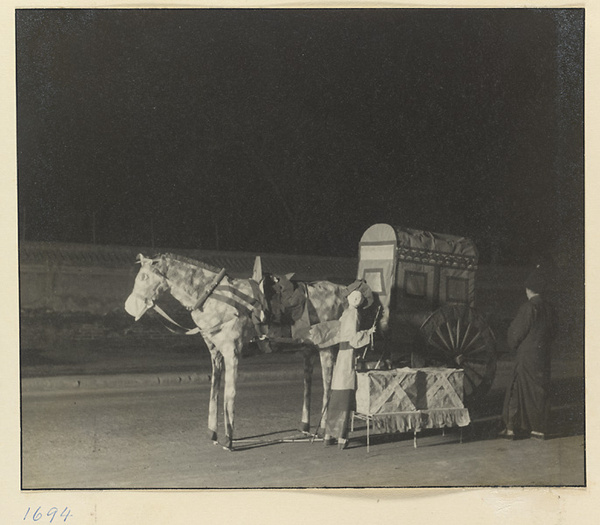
<point x="231" y="374"/>
<point x="309" y="358"/>
<point x="215" y="385"/>
<point x="327" y="356"/>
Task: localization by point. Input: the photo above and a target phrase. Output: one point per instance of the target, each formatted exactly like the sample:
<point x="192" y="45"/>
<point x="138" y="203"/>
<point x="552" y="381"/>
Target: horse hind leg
<point x="215" y="385"/>
<point x="231" y="373"/>
<point x="309" y="357"/>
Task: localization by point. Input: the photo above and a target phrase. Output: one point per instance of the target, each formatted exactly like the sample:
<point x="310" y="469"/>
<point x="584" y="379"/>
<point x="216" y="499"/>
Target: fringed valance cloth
<point x="420" y="420"/>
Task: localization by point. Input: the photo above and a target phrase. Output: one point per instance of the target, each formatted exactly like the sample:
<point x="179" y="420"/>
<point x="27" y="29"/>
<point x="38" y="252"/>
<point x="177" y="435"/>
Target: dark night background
<point x="292" y="131"/>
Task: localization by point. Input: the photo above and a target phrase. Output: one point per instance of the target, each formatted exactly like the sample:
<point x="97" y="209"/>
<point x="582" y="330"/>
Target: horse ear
<point x="141" y="259"/>
<point x="257" y="272"/>
<point x="289" y="276"/>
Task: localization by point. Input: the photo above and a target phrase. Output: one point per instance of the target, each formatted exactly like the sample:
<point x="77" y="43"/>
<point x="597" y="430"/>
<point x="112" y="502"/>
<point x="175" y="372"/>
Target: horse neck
<point x="187" y="281"/>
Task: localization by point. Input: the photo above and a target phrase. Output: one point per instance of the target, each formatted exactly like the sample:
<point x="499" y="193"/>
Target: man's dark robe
<point x="530" y="334"/>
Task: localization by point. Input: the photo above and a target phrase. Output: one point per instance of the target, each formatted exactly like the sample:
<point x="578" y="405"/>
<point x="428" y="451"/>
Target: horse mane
<point x="192" y="262"/>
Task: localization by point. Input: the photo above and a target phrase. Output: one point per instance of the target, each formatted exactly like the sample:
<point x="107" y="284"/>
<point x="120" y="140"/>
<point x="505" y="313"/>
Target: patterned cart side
<point x="410" y="399"/>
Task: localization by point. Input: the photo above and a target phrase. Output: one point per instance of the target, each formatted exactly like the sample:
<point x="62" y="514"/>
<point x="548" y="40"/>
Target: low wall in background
<point x="84" y="282"/>
<point x="97" y="279"/>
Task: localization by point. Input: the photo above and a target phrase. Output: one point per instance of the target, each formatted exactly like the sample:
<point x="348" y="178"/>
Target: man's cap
<point x="536" y="281"/>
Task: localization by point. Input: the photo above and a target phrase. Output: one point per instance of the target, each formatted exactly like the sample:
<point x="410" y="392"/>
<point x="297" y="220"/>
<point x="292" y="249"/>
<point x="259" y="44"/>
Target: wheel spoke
<point x="439" y="333"/>
<point x="470" y="381"/>
<point x="477" y="336"/>
<point x="438" y="346"/>
<point x="472" y="370"/>
<point x="469" y="359"/>
<point x="478" y="350"/>
<point x="450" y="335"/>
<point x="458" y="333"/>
<point x="466" y="334"/>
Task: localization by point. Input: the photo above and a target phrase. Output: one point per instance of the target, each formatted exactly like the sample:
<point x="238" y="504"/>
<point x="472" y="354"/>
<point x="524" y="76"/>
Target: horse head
<point x="150" y="282"/>
<point x="285" y="299"/>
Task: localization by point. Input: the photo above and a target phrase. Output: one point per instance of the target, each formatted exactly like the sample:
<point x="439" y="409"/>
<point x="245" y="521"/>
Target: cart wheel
<point x="456" y="336"/>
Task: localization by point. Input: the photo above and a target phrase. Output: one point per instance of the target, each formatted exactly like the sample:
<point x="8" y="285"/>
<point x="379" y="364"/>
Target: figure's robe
<point x="530" y="334"/>
<point x="343" y="383"/>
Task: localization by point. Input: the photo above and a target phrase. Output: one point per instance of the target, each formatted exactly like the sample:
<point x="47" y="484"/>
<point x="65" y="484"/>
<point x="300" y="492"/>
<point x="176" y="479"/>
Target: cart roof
<point x="420" y="240"/>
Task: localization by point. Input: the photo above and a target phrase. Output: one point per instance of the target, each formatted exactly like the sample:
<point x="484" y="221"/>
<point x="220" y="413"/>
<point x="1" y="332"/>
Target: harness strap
<point x="234" y="291"/>
<point x="250" y="305"/>
<point x="209" y="289"/>
<point x="240" y="307"/>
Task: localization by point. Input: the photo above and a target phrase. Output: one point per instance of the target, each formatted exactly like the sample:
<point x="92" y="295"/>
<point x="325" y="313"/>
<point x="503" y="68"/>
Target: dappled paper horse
<point x="226" y="312"/>
<point x="230" y="313"/>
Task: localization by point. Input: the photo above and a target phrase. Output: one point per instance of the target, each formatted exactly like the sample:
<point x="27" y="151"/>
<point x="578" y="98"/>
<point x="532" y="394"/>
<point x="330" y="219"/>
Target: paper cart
<point x="424" y="284"/>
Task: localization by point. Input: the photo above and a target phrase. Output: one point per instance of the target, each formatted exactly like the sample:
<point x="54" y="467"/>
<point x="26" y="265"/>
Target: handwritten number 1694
<point x="37" y="514"/>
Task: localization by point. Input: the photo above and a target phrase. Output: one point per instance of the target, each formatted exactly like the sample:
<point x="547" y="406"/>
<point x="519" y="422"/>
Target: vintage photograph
<point x="300" y="248"/>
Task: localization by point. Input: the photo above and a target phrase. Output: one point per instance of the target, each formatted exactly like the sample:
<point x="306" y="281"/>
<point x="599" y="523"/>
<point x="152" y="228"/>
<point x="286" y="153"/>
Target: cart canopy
<point x="417" y="271"/>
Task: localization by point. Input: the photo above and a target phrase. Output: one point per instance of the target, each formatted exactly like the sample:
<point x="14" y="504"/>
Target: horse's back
<point x="327" y="300"/>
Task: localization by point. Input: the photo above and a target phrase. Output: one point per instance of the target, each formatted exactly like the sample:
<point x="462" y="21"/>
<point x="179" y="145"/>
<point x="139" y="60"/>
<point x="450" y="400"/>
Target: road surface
<point x="157" y="438"/>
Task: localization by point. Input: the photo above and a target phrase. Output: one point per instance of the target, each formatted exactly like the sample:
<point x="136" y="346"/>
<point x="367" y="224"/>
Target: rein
<point x="188" y="331"/>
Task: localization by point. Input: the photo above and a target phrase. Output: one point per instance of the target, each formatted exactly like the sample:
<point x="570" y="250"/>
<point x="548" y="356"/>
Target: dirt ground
<point x="157" y="438"/>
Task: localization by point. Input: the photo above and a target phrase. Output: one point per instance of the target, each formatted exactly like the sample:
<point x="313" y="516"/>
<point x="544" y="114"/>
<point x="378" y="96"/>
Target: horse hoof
<point x="215" y="442"/>
<point x="305" y="427"/>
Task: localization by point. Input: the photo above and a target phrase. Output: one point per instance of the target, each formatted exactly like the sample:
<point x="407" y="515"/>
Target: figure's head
<point x="355" y="298"/>
<point x="149" y="284"/>
<point x="359" y="294"/>
<point x="535" y="283"/>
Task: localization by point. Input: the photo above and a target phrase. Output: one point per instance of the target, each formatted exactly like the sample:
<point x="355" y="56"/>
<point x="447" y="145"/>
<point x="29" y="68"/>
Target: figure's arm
<point x="349" y="330"/>
<point x="519" y="328"/>
<point x="360" y="339"/>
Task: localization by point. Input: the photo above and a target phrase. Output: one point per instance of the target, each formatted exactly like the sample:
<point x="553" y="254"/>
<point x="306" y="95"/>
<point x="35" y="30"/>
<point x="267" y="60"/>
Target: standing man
<point x="526" y="407"/>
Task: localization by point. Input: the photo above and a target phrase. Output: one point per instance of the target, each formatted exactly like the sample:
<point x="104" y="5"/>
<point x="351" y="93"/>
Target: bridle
<point x="226" y="294"/>
<point x="165" y="284"/>
<point x="161" y="287"/>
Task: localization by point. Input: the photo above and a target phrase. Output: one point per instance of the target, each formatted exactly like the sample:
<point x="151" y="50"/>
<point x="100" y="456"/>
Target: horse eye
<point x="143" y="277"/>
